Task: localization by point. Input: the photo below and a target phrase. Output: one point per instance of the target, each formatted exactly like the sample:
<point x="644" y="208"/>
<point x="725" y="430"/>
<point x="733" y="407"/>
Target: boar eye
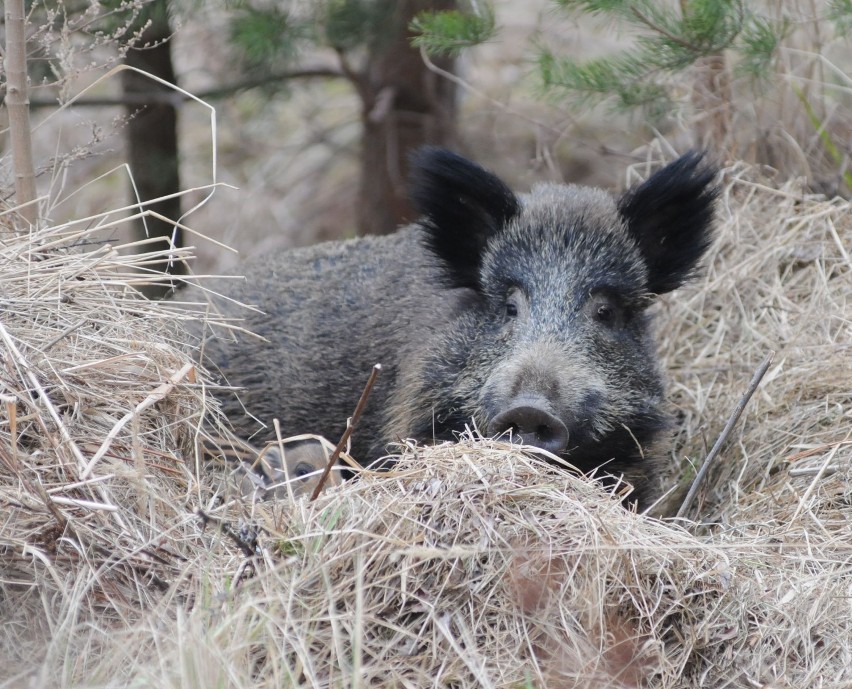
<point x="606" y="311"/>
<point x="512" y="306"/>
<point x="303" y="469"/>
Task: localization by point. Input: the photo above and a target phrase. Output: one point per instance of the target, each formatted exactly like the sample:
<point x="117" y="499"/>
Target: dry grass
<point x="779" y="278"/>
<point x="471" y="565"/>
<point x="101" y="415"/>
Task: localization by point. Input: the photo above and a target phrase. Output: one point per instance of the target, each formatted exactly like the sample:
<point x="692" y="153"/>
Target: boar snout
<point x="530" y="422"/>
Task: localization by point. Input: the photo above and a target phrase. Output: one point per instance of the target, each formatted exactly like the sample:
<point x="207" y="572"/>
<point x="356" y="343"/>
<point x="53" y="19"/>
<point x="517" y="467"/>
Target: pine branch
<point x="660" y="29"/>
<point x="449" y="32"/>
<point x="670" y="39"/>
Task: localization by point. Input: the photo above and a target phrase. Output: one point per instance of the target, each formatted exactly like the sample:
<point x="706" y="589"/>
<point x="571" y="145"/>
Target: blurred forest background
<point x="318" y="102"/>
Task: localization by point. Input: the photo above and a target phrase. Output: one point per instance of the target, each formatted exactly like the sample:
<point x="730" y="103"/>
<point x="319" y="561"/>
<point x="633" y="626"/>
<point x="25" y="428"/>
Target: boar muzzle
<point x="530" y="422"/>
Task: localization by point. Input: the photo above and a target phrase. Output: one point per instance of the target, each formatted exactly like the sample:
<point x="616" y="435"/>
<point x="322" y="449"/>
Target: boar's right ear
<point x="463" y="206"/>
<point x="670" y="216"/>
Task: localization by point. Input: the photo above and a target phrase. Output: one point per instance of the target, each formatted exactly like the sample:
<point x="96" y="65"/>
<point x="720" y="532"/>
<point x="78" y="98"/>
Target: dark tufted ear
<point x="463" y="205"/>
<point x="671" y="218"/>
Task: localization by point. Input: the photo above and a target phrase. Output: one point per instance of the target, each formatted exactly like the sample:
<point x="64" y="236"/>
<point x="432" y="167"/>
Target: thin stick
<point x="152" y="398"/>
<point x="345" y="437"/>
<point x="732" y="421"/>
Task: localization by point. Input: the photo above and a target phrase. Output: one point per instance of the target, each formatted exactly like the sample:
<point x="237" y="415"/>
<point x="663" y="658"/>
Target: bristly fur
<point x="490" y="304"/>
<point x="670" y="217"/>
<point x="463" y="205"/>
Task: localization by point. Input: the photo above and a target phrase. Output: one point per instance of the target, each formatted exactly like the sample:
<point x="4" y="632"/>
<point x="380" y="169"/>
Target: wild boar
<point x="517" y="314"/>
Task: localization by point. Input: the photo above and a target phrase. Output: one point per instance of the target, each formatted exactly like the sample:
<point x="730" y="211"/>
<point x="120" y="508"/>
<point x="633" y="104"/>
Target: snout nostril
<point x="544" y="432"/>
<point x="532" y="425"/>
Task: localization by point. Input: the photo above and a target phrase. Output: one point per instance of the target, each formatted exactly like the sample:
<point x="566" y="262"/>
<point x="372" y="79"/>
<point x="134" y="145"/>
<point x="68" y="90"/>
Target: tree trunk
<point x="152" y="132"/>
<point x="18" y="105"/>
<point x="405" y="106"/>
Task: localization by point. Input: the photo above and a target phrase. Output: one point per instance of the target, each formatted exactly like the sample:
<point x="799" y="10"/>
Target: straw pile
<point x="779" y="279"/>
<point x="100" y="420"/>
<point x="470" y="565"/>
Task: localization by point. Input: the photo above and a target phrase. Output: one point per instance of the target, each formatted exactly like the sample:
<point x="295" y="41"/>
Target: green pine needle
<point x="670" y="39"/>
<point x="265" y="38"/>
<point x="759" y="44"/>
<point x="840" y="13"/>
<point x="449" y="32"/>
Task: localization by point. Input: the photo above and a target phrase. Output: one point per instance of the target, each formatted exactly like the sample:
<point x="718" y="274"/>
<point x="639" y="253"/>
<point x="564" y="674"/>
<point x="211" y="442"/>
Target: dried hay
<point x="101" y="418"/>
<point x="779" y="278"/>
<point x="471" y="565"/>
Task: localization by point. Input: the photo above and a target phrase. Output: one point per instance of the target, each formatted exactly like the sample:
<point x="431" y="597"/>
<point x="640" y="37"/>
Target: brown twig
<point x="732" y="421"/>
<point x="177" y="99"/>
<point x="247" y="547"/>
<point x="345" y="437"/>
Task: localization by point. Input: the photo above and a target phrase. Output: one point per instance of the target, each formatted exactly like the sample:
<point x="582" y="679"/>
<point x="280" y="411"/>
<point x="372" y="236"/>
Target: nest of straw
<point x="127" y="560"/>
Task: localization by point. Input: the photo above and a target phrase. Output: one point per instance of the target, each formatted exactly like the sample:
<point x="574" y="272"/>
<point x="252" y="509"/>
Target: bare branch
<point x="732" y="421"/>
<point x="176" y="98"/>
<point x="345" y="437"/>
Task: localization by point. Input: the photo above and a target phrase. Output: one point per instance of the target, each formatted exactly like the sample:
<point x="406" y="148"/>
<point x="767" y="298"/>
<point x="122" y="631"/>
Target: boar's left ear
<point x="671" y="218"/>
<point x="463" y="206"/>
